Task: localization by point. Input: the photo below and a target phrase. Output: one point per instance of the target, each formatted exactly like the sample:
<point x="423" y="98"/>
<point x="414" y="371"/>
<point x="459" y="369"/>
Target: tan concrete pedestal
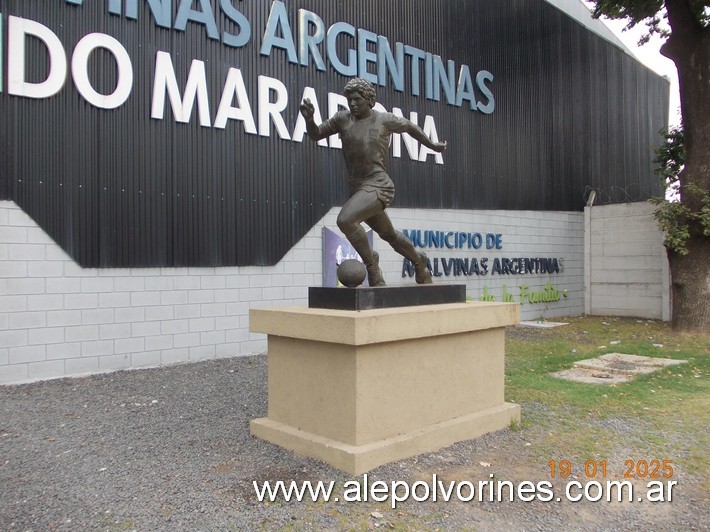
<point x="358" y="389"/>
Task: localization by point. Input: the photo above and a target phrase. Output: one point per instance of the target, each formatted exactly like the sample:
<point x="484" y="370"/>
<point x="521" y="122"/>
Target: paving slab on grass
<point x="542" y="324"/>
<point x="614" y="368"/>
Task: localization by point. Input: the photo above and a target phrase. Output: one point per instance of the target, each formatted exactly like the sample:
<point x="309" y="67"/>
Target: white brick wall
<point x="58" y="319"/>
<point x="525" y="234"/>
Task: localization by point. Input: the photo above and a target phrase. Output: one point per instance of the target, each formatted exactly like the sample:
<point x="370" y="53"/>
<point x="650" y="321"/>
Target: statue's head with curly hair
<point x="364" y="87"/>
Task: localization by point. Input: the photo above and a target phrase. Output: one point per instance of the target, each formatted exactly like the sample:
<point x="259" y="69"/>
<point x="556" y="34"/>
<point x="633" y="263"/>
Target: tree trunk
<point x="689" y="48"/>
<point x="690" y="287"/>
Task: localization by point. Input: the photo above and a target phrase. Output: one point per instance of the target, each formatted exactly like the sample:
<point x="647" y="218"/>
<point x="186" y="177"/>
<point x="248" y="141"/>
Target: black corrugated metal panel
<point x="116" y="188"/>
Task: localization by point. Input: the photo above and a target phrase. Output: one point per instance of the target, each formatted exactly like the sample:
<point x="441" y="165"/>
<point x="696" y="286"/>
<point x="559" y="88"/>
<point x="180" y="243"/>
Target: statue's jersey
<point x="365" y="146"/>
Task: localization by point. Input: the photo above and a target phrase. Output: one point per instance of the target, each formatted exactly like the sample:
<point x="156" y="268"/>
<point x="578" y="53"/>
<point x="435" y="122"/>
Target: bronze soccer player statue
<point x="365" y="134"/>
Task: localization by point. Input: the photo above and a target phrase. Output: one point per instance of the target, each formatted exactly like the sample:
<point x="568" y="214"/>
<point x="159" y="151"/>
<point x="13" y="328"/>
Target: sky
<point x="650" y="55"/>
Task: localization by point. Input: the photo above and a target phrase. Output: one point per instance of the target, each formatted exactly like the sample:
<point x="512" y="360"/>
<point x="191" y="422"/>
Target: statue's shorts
<point x="379" y="184"/>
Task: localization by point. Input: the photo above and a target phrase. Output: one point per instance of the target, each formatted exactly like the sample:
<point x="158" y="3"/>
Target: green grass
<point x="667" y="411"/>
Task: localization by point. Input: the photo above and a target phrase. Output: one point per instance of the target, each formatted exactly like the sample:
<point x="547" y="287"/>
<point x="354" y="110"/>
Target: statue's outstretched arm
<point x="315" y="131"/>
<point x="416" y="132"/>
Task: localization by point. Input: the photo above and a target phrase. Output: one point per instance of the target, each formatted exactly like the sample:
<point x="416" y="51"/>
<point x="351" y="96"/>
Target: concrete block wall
<point x="626" y="264"/>
<point x="58" y="319"/>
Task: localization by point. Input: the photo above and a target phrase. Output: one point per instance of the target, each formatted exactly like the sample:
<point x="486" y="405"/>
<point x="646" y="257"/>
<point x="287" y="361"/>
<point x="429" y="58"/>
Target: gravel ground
<point x="169" y="449"/>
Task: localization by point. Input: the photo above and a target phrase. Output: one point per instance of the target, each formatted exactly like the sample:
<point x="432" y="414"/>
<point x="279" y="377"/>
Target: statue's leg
<point x="361" y="206"/>
<point x="401" y="244"/>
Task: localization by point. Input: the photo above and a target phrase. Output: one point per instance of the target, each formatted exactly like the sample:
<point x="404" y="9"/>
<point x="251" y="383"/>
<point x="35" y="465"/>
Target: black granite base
<point x="366" y="298"/>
